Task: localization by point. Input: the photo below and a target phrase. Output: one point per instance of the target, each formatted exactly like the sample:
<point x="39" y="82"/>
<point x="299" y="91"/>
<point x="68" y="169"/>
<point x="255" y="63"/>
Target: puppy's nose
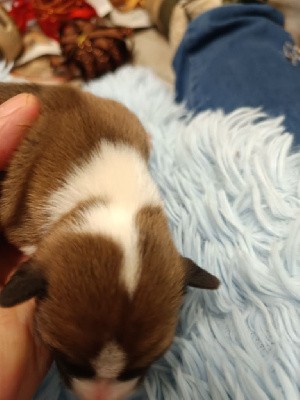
<point x="104" y="389"/>
<point x="101" y="390"/>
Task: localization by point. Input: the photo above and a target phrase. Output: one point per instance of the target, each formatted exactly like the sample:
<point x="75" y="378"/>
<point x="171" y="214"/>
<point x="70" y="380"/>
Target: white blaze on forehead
<point x="118" y="174"/>
<point x="28" y="250"/>
<point x="119" y="225"/>
<point x="110" y="362"/>
<point x="108" y="365"/>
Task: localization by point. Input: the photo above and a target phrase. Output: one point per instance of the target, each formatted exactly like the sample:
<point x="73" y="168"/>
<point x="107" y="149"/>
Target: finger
<point x="26" y="360"/>
<point x="16" y="115"/>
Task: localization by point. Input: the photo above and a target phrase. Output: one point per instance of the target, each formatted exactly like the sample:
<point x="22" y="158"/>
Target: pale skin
<point x="24" y="361"/>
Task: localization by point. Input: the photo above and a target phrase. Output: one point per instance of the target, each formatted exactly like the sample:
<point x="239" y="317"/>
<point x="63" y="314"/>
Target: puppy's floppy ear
<point x="199" y="278"/>
<point x="26" y="283"/>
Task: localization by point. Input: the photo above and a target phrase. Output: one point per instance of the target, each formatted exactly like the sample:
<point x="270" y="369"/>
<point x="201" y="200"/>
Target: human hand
<point x="23" y="359"/>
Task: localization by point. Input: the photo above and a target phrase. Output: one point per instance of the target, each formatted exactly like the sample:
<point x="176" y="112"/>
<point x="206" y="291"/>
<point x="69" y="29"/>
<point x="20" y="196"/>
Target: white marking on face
<point x="103" y="389"/>
<point x="110" y="362"/>
<point x="28" y="250"/>
<point x="119" y="225"/>
<point x="118" y="174"/>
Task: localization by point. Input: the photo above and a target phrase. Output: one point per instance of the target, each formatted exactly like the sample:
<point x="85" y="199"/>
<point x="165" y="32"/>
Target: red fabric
<point x="21" y="13"/>
<point x="24" y="11"/>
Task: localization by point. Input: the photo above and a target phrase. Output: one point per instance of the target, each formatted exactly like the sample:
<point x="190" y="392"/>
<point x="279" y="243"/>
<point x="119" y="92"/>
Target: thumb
<point x="16" y="115"/>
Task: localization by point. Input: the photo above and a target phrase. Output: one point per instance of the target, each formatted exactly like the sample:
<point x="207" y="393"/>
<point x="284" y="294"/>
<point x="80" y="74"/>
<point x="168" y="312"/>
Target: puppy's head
<point x="106" y="307"/>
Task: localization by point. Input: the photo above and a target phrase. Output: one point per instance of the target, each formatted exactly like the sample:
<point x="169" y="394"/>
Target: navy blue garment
<point x="232" y="56"/>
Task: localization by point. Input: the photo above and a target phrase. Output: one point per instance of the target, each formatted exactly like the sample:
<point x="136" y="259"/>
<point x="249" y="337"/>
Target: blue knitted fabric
<point x="231" y="188"/>
<point x="234" y="56"/>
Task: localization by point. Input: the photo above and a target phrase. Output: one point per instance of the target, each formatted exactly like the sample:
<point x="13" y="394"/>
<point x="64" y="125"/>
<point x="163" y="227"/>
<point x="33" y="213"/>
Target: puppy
<point x="78" y="199"/>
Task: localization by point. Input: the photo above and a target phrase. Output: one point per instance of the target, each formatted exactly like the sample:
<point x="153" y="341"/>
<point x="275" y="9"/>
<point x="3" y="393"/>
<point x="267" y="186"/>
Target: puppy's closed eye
<point x="130" y="374"/>
<point x="70" y="369"/>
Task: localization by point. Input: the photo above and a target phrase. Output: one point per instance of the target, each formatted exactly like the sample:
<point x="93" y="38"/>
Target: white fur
<point x="117" y="223"/>
<point x="103" y="389"/>
<point x="110" y="362"/>
<point x="28" y="250"/>
<point x="118" y="175"/>
<point x="115" y="172"/>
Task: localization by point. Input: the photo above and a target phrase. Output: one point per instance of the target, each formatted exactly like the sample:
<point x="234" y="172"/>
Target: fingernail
<point x="15" y="103"/>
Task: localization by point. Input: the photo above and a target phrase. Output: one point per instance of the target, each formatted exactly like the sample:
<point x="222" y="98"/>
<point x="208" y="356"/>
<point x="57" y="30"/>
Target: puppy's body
<point x="78" y="199"/>
<point x="71" y="126"/>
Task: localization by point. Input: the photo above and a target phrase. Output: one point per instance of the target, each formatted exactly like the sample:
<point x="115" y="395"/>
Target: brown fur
<point x="68" y="129"/>
<point x="143" y="325"/>
<point x="70" y="125"/>
<point x="82" y="303"/>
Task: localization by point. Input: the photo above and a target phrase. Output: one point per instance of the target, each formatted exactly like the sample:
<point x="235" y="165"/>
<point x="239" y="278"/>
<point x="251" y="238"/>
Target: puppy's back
<point x="69" y="127"/>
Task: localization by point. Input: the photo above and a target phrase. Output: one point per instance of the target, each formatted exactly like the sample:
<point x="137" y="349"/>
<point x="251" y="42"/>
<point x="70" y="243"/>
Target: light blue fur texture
<point x="231" y="188"/>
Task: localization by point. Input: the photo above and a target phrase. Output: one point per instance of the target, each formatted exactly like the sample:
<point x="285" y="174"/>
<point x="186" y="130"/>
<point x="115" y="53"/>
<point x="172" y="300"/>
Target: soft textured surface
<point x="231" y="187"/>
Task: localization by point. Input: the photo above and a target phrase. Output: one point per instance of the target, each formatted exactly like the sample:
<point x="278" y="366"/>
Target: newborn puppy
<point x="79" y="200"/>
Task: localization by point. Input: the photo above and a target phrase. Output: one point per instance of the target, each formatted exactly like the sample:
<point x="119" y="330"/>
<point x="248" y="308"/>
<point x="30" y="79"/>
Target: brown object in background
<point x="36" y="44"/>
<point x="291" y="12"/>
<point x="90" y="49"/>
<point x="34" y="62"/>
<point x="38" y="71"/>
<point x="10" y="38"/>
<point x="127" y="5"/>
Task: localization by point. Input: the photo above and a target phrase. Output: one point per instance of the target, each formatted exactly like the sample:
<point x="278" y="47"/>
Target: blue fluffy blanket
<point x="231" y="187"/>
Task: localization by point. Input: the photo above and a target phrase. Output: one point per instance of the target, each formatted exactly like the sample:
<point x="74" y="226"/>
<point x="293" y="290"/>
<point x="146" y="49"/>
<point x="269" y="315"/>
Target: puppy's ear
<point x="26" y="283"/>
<point x="199" y="278"/>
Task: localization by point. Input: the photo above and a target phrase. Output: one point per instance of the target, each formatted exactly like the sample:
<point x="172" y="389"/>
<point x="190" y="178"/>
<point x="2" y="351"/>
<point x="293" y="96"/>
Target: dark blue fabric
<point x="232" y="57"/>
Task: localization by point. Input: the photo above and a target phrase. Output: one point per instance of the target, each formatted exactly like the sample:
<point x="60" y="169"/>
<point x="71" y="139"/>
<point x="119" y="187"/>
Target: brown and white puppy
<point x="79" y="200"/>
